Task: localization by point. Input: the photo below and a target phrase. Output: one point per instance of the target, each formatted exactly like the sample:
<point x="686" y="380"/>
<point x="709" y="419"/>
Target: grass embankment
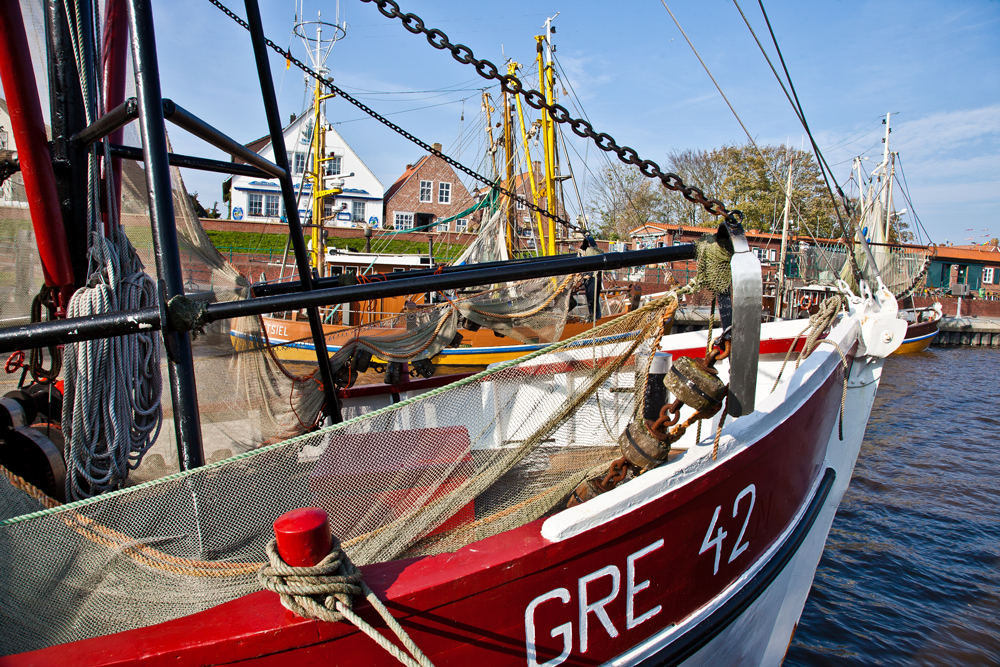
<point x="255" y="242"/>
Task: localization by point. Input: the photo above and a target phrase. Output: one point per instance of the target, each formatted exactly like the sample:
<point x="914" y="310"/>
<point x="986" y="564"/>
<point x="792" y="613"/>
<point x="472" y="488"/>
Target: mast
<point x="508" y="149"/>
<point x="539" y="245"/>
<point x="488" y="112"/>
<point x="888" y="199"/>
<point x="546" y="77"/>
<point x="318" y="49"/>
<point x="886" y="190"/>
<point x="779" y="297"/>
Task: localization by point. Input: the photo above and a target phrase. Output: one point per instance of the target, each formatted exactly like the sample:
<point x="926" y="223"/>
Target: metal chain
<point x="581" y="127"/>
<point x="396" y="128"/>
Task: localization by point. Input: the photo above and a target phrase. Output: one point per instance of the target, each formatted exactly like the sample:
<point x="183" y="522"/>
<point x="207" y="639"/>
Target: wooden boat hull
<point x="711" y="569"/>
<point x="919" y="337"/>
<point x="292" y="342"/>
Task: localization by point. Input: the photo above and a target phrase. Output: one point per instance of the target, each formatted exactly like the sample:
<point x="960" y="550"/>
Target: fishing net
<point x="428" y="475"/>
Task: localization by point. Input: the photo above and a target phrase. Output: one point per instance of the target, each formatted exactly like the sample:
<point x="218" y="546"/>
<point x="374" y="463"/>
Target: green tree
<point x="623" y="199"/>
<point x="740" y="176"/>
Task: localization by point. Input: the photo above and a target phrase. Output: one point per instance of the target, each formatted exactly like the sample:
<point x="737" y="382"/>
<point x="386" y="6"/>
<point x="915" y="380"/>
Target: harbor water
<point x="911" y="571"/>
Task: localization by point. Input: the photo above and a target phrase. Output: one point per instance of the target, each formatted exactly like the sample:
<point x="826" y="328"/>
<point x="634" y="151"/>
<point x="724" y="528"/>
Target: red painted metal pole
<point x="303" y="536"/>
<point x="115" y="53"/>
<point x="28" y="128"/>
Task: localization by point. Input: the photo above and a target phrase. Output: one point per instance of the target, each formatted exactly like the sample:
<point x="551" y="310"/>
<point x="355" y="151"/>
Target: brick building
<point x="427" y="191"/>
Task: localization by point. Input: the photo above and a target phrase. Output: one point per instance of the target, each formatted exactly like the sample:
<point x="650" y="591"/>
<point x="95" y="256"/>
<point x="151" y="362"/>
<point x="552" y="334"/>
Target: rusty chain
<point x="560" y="114"/>
<point x="396" y="128"/>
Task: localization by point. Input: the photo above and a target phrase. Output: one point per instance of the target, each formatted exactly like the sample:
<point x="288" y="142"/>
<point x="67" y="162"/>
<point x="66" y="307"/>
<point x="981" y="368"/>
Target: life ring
<point x="804" y="302"/>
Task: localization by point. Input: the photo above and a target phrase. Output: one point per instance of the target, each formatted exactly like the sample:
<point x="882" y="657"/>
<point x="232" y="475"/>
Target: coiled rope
<point x="326" y="592"/>
<point x="113" y="386"/>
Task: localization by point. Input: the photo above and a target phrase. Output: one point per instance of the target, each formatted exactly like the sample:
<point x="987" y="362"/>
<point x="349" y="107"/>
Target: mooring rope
<point x="326" y="592"/>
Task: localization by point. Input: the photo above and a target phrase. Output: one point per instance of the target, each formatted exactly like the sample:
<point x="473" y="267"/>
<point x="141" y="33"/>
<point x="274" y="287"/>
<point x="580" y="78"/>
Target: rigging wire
<point x="396" y="113"/>
<point x="757" y="148"/>
<point x="905" y="189"/>
<point x="578" y="105"/>
<point x="381" y="118"/>
<point x="797" y="108"/>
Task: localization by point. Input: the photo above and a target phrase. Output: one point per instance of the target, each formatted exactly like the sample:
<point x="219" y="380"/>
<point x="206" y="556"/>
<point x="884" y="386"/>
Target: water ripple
<point x="911" y="571"/>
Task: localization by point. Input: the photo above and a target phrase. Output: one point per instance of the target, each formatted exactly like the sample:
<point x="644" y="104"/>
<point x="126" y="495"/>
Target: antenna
<point x="318" y="45"/>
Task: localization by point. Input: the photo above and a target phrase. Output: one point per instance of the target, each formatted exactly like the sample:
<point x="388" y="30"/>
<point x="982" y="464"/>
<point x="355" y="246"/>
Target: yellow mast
<point x="508" y="149"/>
<point x="488" y="112"/>
<point x="546" y="78"/>
<point x="540" y="247"/>
<point x="319" y="161"/>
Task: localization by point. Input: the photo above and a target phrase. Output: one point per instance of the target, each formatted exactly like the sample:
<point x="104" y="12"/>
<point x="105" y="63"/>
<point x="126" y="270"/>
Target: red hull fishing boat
<point x="623" y="496"/>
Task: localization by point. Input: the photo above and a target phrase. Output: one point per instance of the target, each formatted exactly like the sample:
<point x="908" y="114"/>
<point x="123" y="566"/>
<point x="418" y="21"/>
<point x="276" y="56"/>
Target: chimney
<point x="436" y="147"/>
<point x="292" y="118"/>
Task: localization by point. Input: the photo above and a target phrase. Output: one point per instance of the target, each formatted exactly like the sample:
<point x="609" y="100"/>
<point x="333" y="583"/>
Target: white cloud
<point x="941" y="134"/>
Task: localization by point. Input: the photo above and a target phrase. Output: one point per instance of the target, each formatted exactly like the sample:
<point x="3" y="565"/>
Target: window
<point x="403" y="220"/>
<point x="444" y="193"/>
<point x="255" y="204"/>
<point x="520" y="205"/>
<point x="358" y="211"/>
<point x="272" y="204"/>
<point x="988" y="275"/>
<point x="425" y="191"/>
<point x="298" y="163"/>
<point x="327" y="209"/>
<point x="333" y="165"/>
<point x="461" y="225"/>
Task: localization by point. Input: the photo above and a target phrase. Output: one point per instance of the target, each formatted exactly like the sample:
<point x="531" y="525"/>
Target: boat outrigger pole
<point x="152" y="130"/>
<point x="332" y="408"/>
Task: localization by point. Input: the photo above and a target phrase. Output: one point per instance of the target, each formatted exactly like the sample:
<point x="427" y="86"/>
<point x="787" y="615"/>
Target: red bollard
<point x="303" y="536"/>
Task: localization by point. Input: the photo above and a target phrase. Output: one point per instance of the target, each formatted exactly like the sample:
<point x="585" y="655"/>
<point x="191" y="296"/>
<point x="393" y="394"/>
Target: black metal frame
<point x="120" y="324"/>
<point x="69" y="160"/>
<point x="152" y="129"/>
<point x="149" y="107"/>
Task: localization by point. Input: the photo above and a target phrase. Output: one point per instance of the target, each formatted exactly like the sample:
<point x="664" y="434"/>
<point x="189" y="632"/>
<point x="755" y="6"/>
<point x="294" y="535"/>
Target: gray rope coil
<point x="326" y="591"/>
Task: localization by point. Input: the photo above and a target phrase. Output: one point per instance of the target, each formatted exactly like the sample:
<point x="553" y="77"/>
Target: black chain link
<point x="431" y="34"/>
<point x="560" y="114"/>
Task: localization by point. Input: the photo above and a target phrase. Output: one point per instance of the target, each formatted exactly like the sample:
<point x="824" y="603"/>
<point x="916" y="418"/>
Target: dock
<point x="968" y="331"/>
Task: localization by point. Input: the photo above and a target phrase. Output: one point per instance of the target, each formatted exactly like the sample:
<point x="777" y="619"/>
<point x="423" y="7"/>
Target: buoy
<point x="303" y="536"/>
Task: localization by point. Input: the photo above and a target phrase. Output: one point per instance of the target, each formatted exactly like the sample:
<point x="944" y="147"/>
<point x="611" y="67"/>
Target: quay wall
<point x="968" y="332"/>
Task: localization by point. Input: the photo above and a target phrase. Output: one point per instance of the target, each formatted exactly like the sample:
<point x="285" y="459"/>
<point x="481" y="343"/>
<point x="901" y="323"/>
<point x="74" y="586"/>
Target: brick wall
<point x="437" y="171"/>
<point x="970" y="307"/>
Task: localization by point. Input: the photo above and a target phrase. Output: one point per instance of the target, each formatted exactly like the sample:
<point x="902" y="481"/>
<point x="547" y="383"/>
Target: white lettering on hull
<point x="277" y="330"/>
<point x="586" y="608"/>
<point x="598" y="608"/>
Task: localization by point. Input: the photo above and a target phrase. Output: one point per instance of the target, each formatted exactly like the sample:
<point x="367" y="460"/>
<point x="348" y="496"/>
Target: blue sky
<point x="934" y="64"/>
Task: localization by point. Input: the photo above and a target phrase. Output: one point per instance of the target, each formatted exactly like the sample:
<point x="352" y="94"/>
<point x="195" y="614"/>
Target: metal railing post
<point x="332" y="408"/>
<point x="183" y="392"/>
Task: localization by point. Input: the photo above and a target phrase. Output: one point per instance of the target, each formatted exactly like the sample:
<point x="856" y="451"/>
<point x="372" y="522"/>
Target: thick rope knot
<point x="313" y="592"/>
<point x="326" y="592"/>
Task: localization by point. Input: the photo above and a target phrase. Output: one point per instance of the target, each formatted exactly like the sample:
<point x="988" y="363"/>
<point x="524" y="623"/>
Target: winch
<point x="646" y="442"/>
<point x="31" y="439"/>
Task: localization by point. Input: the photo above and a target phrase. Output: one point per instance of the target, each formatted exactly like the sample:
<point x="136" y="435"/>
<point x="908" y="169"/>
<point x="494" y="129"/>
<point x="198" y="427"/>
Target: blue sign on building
<point x="238" y="213"/>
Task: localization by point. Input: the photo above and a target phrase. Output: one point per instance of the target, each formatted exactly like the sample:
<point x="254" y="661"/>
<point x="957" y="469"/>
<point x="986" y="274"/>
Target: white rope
<point x="113" y="386"/>
<point x="112" y="413"/>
